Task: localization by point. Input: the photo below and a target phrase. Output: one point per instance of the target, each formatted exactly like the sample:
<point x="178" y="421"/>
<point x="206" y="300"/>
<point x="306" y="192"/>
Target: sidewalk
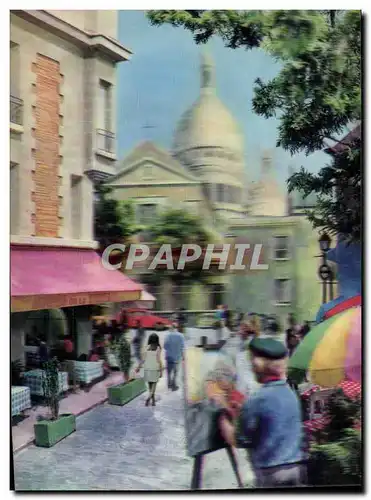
<point x="132" y="448"/>
<point x="76" y="403"/>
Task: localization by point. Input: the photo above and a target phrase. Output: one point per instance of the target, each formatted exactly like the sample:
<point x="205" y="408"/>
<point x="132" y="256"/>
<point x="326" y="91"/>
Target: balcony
<point x="16" y="114"/>
<point x="105" y="145"/>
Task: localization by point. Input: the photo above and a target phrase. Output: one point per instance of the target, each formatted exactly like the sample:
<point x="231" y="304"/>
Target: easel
<point x="198" y="463"/>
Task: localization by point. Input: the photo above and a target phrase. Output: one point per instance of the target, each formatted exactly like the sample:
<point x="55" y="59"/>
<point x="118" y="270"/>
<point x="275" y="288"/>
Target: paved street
<point x="125" y="448"/>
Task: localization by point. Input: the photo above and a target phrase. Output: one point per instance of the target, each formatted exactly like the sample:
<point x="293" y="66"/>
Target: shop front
<point x="53" y="291"/>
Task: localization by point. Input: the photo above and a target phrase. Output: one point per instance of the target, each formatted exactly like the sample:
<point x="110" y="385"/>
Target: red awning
<point x="346" y="304"/>
<point x="48" y="278"/>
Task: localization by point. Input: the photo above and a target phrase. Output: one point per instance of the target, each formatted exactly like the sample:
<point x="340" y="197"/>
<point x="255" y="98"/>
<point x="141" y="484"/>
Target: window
<point x="106" y="105"/>
<point x="147" y="172"/>
<point x="16" y="104"/>
<point x="146" y="212"/>
<point x="282" y="291"/>
<point x="281" y="247"/>
<point x="14" y="69"/>
<point x="105" y="136"/>
<point x="14" y="198"/>
<point x="76" y="198"/>
<point x="208" y="190"/>
<point x="220" y="192"/>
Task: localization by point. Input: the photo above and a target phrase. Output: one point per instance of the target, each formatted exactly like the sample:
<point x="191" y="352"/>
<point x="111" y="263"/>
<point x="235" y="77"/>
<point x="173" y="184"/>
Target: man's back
<point x="174" y="346"/>
<point x="277" y="435"/>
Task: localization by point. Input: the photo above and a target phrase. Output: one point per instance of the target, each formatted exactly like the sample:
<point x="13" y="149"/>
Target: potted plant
<point x="50" y="430"/>
<point x="131" y="388"/>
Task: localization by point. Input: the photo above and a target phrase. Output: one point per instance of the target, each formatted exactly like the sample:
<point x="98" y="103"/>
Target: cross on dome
<point x="207" y="71"/>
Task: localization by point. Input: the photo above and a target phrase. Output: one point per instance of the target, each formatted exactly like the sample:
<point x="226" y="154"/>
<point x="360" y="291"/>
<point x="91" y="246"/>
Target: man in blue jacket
<point x="174" y="349"/>
<point x="270" y="423"/>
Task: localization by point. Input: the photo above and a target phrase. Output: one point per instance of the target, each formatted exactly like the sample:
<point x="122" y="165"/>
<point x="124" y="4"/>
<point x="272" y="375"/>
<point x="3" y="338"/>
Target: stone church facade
<point x="205" y="174"/>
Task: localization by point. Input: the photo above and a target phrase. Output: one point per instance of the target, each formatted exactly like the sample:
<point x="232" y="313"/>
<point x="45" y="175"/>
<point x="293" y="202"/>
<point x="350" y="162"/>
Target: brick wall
<point x="47" y="153"/>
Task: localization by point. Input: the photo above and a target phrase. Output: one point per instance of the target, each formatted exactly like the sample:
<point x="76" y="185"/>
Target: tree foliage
<point x="114" y="221"/>
<point x="178" y="227"/>
<point x="338" y="185"/>
<point x="315" y="95"/>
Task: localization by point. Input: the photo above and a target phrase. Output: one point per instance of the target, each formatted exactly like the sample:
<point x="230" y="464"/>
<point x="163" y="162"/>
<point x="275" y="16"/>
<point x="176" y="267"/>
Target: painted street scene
<point x="186" y="250"/>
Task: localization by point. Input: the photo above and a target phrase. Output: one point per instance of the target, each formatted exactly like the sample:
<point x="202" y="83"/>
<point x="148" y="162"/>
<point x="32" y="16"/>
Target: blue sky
<point x="162" y="80"/>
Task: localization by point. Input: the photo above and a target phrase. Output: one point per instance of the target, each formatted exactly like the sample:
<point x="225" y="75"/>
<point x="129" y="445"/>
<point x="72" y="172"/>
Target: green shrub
<point x="51" y="386"/>
<point x="336" y="457"/>
<point x="337" y="463"/>
<point x="123" y="353"/>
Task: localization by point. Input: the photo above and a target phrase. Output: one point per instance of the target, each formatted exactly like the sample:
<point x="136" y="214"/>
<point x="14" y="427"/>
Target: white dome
<point x="208" y="123"/>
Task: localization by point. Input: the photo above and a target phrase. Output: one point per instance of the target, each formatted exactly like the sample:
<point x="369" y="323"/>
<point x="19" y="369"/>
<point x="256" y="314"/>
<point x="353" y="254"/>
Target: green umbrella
<point x="299" y="362"/>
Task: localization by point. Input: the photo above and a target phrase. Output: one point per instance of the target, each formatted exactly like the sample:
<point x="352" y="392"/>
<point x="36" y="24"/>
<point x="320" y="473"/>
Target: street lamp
<point x="324" y="242"/>
<point x="324" y="271"/>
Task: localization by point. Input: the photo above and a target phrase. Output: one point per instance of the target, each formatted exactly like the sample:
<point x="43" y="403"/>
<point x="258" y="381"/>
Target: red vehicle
<point x="147" y="319"/>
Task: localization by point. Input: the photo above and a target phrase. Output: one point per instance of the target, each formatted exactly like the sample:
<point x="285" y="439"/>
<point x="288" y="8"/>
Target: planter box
<point x="123" y="393"/>
<point x="49" y="432"/>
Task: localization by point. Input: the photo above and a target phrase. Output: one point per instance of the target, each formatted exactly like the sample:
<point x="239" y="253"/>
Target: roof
<point x="348" y="139"/>
<point x="149" y="150"/>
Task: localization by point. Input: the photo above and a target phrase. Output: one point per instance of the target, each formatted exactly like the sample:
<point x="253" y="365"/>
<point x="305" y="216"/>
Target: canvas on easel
<point x="209" y="388"/>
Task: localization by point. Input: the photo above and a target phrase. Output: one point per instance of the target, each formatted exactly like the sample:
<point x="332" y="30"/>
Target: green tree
<point x="114" y="221"/>
<point x="178" y="227"/>
<point x="315" y="95"/>
<point x="338" y="185"/>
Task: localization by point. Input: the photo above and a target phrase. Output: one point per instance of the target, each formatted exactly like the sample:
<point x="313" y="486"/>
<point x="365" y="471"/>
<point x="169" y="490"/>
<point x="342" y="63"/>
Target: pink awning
<point x="47" y="278"/>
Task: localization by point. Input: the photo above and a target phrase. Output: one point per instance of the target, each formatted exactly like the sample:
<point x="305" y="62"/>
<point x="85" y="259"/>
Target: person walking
<point x="239" y="318"/>
<point x="292" y="334"/>
<point x="227" y="317"/>
<point x="269" y="424"/>
<point x="43" y="351"/>
<point x="138" y="341"/>
<point x="219" y="323"/>
<point x="182" y="320"/>
<point x="174" y="349"/>
<point x="255" y="325"/>
<point x="152" y="366"/>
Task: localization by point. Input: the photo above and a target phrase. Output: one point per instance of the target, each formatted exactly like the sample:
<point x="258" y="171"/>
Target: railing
<point x="16" y="110"/>
<point x="105" y="141"/>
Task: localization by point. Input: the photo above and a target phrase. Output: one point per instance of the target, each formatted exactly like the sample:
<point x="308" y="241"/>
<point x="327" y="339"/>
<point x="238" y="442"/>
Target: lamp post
<point x="324" y="271"/>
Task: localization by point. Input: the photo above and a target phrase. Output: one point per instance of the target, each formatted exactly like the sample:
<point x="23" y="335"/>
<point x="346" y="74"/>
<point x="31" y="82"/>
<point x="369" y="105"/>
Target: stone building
<point x="62" y="137"/>
<point x="205" y="173"/>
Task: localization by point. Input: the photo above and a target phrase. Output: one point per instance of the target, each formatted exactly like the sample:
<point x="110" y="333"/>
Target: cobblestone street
<point x="125" y="448"/>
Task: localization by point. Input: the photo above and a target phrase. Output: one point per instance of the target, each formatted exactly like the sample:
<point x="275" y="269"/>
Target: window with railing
<point x="105" y="141"/>
<point x="16" y="110"/>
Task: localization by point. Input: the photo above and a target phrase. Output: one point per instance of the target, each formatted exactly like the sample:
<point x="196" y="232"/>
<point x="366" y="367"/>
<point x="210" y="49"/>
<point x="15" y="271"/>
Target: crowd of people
<point x="275" y="444"/>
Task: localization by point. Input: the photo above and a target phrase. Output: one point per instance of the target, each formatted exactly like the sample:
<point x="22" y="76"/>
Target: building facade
<point x="62" y="138"/>
<point x="205" y="173"/>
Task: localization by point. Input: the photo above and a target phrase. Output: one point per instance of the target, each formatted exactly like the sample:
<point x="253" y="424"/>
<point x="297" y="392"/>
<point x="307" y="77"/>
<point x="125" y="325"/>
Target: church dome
<point x="208" y="123"/>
